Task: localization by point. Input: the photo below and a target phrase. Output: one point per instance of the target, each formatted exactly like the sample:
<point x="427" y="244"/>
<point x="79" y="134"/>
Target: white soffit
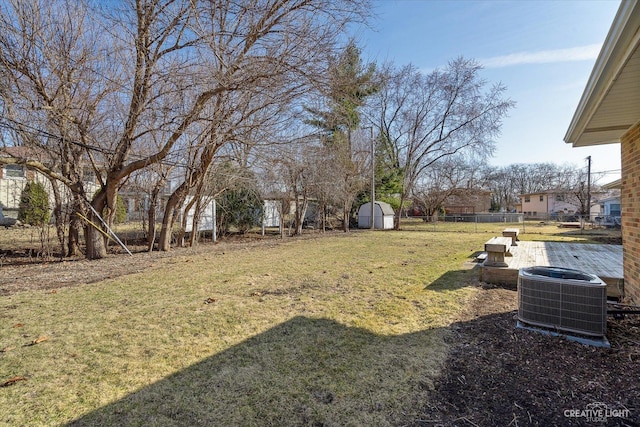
<point x="610" y="104"/>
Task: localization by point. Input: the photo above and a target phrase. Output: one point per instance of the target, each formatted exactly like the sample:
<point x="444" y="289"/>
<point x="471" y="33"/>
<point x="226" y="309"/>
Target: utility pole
<point x="588" y="188"/>
<point x="373" y="178"/>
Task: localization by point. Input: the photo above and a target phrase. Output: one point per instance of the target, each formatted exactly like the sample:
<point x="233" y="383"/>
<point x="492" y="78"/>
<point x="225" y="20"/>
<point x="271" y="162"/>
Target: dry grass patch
<point x="343" y="330"/>
<point x="340" y="330"/>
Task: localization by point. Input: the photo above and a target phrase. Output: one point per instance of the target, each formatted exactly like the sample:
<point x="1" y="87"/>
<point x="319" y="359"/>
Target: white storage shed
<point x="382" y="218"/>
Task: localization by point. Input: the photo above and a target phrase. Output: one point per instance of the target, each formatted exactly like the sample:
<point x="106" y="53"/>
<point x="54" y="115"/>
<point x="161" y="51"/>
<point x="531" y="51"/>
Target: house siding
<point x="534" y="204"/>
<point x="548" y="205"/>
<point x="630" y="201"/>
<point x="11" y="190"/>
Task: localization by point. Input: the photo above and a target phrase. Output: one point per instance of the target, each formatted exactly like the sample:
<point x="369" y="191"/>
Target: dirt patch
<point x="21" y="270"/>
<point x="608" y="240"/>
<point x="500" y="375"/>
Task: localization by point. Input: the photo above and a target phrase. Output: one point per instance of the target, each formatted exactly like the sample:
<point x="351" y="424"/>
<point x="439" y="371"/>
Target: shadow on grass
<point x="302" y="372"/>
<point x="316" y="372"/>
<point x="455" y="279"/>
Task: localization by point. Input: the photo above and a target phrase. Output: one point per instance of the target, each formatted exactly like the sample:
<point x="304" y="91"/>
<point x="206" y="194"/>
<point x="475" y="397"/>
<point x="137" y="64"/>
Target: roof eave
<point x="613" y="55"/>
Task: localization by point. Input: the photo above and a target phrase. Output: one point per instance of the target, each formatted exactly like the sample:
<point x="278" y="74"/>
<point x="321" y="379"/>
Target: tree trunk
<point x="164" y="242"/>
<point x="323" y="220"/>
<point x="195" y="223"/>
<point x="176" y="199"/>
<point x="184" y="219"/>
<point x="96" y="249"/>
<point x="301" y="210"/>
<point x="95" y="240"/>
<point x="75" y="225"/>
<point x="297" y="221"/>
<point x="58" y="215"/>
<point x="396" y="224"/>
<point x="151" y="215"/>
<point x="345" y="218"/>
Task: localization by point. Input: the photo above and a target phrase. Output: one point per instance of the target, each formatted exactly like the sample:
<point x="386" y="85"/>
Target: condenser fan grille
<point x="565" y="302"/>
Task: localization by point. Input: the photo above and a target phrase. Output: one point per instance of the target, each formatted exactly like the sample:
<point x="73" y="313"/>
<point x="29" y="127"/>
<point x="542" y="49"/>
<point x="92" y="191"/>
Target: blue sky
<point x="543" y="51"/>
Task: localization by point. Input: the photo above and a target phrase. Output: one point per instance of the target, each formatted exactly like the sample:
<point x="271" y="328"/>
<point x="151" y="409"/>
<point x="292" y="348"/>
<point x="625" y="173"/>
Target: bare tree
<point x="266" y="51"/>
<point x="166" y="75"/>
<point x="48" y="55"/>
<point x="439" y="182"/>
<point x="426" y="118"/>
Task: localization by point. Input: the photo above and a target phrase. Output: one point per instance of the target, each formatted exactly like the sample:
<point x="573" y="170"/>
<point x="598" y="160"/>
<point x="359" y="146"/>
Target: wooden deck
<point x="605" y="261"/>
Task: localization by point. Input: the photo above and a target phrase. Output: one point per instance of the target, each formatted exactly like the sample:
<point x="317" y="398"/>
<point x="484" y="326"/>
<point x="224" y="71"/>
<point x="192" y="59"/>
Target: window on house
<point x="541" y="198"/>
<point x="559" y="197"/>
<point x="614" y="209"/>
<point x="13" y="171"/>
<point x="527" y="199"/>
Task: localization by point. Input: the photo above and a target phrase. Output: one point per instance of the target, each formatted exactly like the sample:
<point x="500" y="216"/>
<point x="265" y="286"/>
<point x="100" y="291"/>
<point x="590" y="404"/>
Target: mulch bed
<point x="498" y="375"/>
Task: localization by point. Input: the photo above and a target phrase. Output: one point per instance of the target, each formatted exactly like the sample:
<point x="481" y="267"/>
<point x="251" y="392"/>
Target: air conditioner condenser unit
<point x="562" y="299"/>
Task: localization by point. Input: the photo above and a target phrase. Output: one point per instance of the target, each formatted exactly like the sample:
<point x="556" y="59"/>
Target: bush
<point x="34" y="205"/>
<point x="241" y="208"/>
<point x="121" y="211"/>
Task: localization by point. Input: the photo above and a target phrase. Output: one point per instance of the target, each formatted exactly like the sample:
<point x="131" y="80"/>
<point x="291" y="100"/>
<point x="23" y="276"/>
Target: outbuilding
<point x="382" y="218"/>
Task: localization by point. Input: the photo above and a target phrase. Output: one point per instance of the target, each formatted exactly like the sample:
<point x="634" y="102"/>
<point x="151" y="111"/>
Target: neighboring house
<point x="14" y="177"/>
<point x="137" y="202"/>
<point x="609" y="112"/>
<point x="611" y="204"/>
<point x="552" y="204"/>
<point x="467" y="201"/>
<point x="611" y="207"/>
<point x="609" y="212"/>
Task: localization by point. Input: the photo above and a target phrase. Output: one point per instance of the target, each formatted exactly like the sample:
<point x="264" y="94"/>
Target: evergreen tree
<point x="239" y="207"/>
<point x="350" y="83"/>
<point x="34" y="205"/>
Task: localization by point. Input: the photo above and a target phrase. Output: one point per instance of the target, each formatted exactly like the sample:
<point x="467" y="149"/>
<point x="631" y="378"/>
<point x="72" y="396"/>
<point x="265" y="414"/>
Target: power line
<point x="608" y="171"/>
<point x="20" y="127"/>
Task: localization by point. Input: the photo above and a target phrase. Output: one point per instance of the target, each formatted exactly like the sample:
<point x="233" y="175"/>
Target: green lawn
<point x="341" y="330"/>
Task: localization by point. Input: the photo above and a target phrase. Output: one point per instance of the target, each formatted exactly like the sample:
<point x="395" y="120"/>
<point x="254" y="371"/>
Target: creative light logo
<point x="597" y="412"/>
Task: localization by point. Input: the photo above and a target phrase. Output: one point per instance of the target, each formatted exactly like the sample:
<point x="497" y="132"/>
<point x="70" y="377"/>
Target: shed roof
<point x="610" y="103"/>
<point x="386" y="208"/>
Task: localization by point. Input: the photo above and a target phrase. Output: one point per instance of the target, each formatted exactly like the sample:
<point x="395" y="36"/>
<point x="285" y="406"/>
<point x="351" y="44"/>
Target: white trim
<point x="622" y="40"/>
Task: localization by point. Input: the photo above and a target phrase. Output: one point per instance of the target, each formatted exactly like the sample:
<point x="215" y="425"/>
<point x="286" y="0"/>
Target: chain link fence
<point x="468" y="223"/>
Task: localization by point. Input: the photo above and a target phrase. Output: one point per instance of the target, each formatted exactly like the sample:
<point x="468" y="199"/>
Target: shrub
<point x="121" y="211"/>
<point x="241" y="208"/>
<point x="34" y="205"/>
